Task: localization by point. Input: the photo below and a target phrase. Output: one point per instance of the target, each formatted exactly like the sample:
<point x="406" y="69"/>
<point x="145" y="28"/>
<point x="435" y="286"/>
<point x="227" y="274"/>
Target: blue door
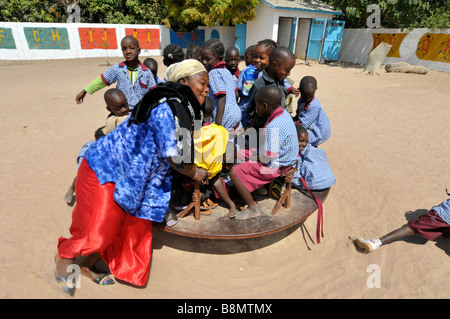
<point x="240" y="34"/>
<point x="316" y="36"/>
<point x="333" y="40"/>
<point x="293" y="35"/>
<point x="215" y="34"/>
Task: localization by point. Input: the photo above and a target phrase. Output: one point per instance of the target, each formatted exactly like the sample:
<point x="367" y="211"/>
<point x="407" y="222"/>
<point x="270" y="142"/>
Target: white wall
<point x="265" y="26"/>
<point x="23" y="52"/>
<point x="226" y="34"/>
<point x="357" y="44"/>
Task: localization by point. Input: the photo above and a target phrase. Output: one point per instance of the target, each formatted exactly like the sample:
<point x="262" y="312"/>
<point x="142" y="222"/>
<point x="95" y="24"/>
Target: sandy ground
<point x="388" y="150"/>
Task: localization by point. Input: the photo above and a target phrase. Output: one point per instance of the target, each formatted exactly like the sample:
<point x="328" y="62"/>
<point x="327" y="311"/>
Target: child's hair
<point x="148" y="62"/>
<point x="251" y="50"/>
<point x="269" y="94"/>
<point x="269" y="44"/>
<point x="280" y="54"/>
<point x="132" y="38"/>
<point x="113" y="92"/>
<point x="173" y="53"/>
<point x="232" y="49"/>
<point x="308" y="80"/>
<point x="216" y="46"/>
<point x="192" y="51"/>
<point x="300" y="129"/>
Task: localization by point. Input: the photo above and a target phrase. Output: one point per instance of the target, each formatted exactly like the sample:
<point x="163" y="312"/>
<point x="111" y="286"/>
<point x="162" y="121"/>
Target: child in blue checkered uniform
<point x="281" y="62"/>
<point x="133" y="78"/>
<point x="222" y="86"/>
<point x="245" y="82"/>
<point x="279" y="150"/>
<point x="310" y="113"/>
<point x="313" y="165"/>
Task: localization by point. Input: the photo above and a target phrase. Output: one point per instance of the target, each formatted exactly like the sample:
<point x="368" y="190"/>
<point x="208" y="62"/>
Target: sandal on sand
<point x="171" y="218"/>
<point x="207" y="205"/>
<point x="206" y="212"/>
<point x="104" y="280"/>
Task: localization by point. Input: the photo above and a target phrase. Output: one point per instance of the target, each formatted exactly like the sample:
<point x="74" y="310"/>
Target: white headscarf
<point x="183" y="69"/>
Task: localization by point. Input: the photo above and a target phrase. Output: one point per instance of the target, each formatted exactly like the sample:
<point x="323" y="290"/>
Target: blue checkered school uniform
<point x="221" y="82"/>
<point x="287" y="86"/>
<point x="281" y="139"/>
<point x="133" y="158"/>
<point x="313" y="166"/>
<point x="316" y="122"/>
<point x="443" y="210"/>
<point x="133" y="91"/>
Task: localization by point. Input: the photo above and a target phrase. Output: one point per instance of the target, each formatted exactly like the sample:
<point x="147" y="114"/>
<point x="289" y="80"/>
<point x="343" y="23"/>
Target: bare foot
<point x="252" y="211"/>
<point x="232" y="212"/>
<point x="61" y="266"/>
<point x="61" y="274"/>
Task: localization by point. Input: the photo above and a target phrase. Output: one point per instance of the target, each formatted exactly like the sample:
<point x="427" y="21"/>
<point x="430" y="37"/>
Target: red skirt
<point x="100" y="225"/>
<point x="430" y="226"/>
<point x="253" y="175"/>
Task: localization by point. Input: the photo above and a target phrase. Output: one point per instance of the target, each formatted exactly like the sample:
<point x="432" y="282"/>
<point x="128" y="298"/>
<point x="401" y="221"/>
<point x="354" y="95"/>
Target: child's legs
<point x="397" y="234"/>
<point x="250" y="176"/>
<point x="221" y="190"/>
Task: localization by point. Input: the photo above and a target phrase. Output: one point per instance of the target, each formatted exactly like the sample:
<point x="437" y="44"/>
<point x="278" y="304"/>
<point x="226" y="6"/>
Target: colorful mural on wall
<point x="148" y="38"/>
<point x="394" y="39"/>
<point x="184" y="39"/>
<point x="47" y="38"/>
<point x="434" y="47"/>
<point x="7" y="39"/>
<point x="98" y="38"/>
<point x="431" y="46"/>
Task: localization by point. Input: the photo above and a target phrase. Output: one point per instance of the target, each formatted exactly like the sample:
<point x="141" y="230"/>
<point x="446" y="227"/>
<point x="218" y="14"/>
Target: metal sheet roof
<point x="302" y="5"/>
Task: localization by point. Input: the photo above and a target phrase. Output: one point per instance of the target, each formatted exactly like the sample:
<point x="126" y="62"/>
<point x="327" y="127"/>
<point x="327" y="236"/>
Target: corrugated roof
<point x="302" y="5"/>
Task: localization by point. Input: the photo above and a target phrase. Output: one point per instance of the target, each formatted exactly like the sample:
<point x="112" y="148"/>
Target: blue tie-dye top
<point x="134" y="159"/>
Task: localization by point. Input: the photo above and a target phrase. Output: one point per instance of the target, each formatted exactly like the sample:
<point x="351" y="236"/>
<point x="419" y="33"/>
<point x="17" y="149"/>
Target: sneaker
<point x="368" y="245"/>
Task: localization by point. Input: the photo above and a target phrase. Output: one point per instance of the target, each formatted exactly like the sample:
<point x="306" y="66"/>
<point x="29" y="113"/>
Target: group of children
<point x="239" y="100"/>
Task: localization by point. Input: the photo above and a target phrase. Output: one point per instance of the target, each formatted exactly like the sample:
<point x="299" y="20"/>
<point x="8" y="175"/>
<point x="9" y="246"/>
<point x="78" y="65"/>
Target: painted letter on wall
<point x="148" y="38"/>
<point x="7" y="39"/>
<point x="98" y="38"/>
<point x="434" y="47"/>
<point x="47" y="38"/>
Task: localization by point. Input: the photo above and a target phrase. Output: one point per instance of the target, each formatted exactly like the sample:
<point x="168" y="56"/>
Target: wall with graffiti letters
<point x="34" y="41"/>
<point x="417" y="47"/>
